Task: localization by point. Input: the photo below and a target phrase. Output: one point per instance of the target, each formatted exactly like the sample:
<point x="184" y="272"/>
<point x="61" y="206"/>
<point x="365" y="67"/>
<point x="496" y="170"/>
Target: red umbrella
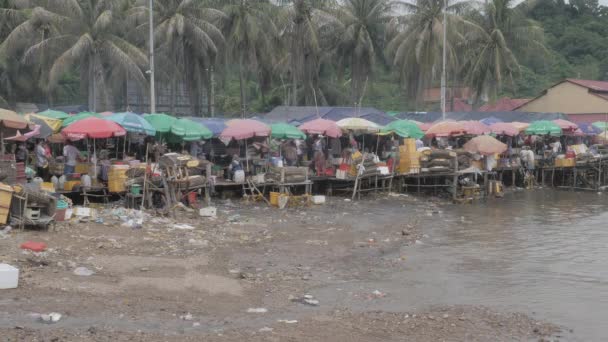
<point x="485" y="144"/>
<point x="504" y="128"/>
<point x="446" y="129"/>
<point x="321" y="126"/>
<point x="93" y="127"/>
<point x="566" y="125"/>
<point x="245" y="129"/>
<point x="473" y="127"/>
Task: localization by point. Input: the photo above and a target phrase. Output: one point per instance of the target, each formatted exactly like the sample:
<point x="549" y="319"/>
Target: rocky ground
<point x="253" y="273"/>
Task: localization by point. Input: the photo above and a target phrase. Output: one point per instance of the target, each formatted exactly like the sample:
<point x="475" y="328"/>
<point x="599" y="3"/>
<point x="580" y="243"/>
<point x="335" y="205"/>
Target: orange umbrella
<point x="485" y="144"/>
<point x="521" y="126"/>
<point x="475" y="127"/>
<point x="504" y="128"/>
<point x="446" y="129"/>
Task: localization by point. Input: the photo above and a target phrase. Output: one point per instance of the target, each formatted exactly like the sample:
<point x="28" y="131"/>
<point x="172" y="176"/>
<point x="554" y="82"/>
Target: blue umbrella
<point x="589" y="129"/>
<point x="490" y="121"/>
<point x="132" y="122"/>
<point x="215" y="125"/>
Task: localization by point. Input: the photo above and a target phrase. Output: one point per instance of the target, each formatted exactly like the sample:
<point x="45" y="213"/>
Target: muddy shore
<point x="253" y="273"/>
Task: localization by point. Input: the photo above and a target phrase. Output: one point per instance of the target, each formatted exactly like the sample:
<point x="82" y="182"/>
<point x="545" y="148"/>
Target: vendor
<point x="71" y="154"/>
<point x="290" y="153"/>
<point x="42" y="161"/>
<point x="21" y="153"/>
<point x="235" y="165"/>
<point x="319" y="156"/>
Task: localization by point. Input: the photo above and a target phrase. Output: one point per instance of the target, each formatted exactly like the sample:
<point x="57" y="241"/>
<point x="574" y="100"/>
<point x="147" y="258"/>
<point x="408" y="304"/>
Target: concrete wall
<point x="567" y="98"/>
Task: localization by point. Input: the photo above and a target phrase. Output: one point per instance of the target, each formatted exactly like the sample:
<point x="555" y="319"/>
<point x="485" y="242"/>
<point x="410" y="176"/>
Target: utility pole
<point x="443" y="81"/>
<point x="151" y="47"/>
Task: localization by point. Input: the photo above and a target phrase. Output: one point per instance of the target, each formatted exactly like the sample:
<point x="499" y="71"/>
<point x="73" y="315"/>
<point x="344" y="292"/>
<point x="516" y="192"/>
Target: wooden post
<point x="455" y="178"/>
<point x="208" y="187"/>
<point x="143" y="199"/>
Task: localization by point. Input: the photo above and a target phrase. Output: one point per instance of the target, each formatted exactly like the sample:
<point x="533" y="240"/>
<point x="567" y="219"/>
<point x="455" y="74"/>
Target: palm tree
<point x="11" y="15"/>
<point x="309" y="34"/>
<point x="186" y="39"/>
<point x="83" y="34"/>
<point x="504" y="33"/>
<point x="252" y="39"/>
<point x="416" y="48"/>
<point x="364" y="31"/>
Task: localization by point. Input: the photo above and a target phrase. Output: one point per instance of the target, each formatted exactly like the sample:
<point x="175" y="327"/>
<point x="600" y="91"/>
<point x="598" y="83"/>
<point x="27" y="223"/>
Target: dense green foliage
<point x="260" y="53"/>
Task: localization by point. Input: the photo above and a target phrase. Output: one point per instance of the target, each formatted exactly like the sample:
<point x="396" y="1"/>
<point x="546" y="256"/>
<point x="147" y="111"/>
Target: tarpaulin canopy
<point x="490" y="121"/>
<point x="358" y="125"/>
<point x="53" y="124"/>
<point x="161" y="122"/>
<point x="404" y="129"/>
<point x="321" y="126"/>
<point x="80" y="116"/>
<point x="94" y="128"/>
<point x="54" y="114"/>
<point x="215" y="125"/>
<point x="473" y="127"/>
<point x="244" y="129"/>
<point x="132" y="122"/>
<point x="286" y="131"/>
<point x="35" y="133"/>
<point x="445" y="129"/>
<point x="485" y="144"/>
<point x="542" y="127"/>
<point x="44" y="130"/>
<point x="504" y="128"/>
<point x="188" y="130"/>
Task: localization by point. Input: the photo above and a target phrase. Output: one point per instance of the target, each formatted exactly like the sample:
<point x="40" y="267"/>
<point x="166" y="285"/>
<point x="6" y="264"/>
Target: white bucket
<point x="9" y="277"/>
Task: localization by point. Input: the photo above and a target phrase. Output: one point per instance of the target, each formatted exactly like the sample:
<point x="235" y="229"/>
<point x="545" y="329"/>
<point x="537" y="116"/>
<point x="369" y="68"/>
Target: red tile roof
<point x="503" y="105"/>
<point x="587" y="117"/>
<point x="601" y="86"/>
<point x="460" y="105"/>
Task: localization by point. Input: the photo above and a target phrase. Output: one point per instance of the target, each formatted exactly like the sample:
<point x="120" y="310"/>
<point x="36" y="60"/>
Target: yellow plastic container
<point x="69" y="185"/>
<point x="274" y="198"/>
<point x="82" y="168"/>
<point x="6" y="195"/>
<point x="47" y="186"/>
<point x="117" y="184"/>
<point x="4" y="215"/>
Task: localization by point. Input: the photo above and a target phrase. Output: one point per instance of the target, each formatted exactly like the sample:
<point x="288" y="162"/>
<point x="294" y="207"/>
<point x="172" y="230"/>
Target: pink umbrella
<point x="446" y="129"/>
<point x="424" y="126"/>
<point x="106" y="113"/>
<point x="504" y="128"/>
<point x="485" y="144"/>
<point x="566" y="125"/>
<point x="473" y="127"/>
<point x="26" y="136"/>
<point x="321" y="126"/>
<point x="93" y="127"/>
<point x="245" y="129"/>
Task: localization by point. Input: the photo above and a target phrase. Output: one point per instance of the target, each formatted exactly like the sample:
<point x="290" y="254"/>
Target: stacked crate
<point x="6" y="196"/>
<point x="409" y="158"/>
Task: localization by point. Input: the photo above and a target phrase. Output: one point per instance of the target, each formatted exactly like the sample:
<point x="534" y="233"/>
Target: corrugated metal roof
<point x="593" y="85"/>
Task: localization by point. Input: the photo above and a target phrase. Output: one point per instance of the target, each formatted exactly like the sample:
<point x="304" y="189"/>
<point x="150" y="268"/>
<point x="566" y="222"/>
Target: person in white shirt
<point x="71" y="154"/>
<point x="556" y="147"/>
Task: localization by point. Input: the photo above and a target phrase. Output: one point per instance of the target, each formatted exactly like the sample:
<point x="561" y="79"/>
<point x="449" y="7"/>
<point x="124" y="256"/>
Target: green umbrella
<point x="542" y="127"/>
<point x="80" y="116"/>
<point x="404" y="129"/>
<point x="54" y="114"/>
<point x="286" y="131"/>
<point x="600" y="125"/>
<point x="188" y="130"/>
<point x="161" y="122"/>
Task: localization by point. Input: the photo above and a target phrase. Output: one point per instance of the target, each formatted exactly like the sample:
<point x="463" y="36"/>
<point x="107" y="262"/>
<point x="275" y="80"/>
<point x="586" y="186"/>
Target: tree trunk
<point x="211" y="98"/>
<point x="242" y="85"/>
<point x="91" y="84"/>
<point x="173" y="94"/>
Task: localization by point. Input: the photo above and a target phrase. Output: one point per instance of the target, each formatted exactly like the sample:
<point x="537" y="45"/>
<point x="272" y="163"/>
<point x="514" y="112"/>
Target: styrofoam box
<point x="319" y="199"/>
<point x="9" y="276"/>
